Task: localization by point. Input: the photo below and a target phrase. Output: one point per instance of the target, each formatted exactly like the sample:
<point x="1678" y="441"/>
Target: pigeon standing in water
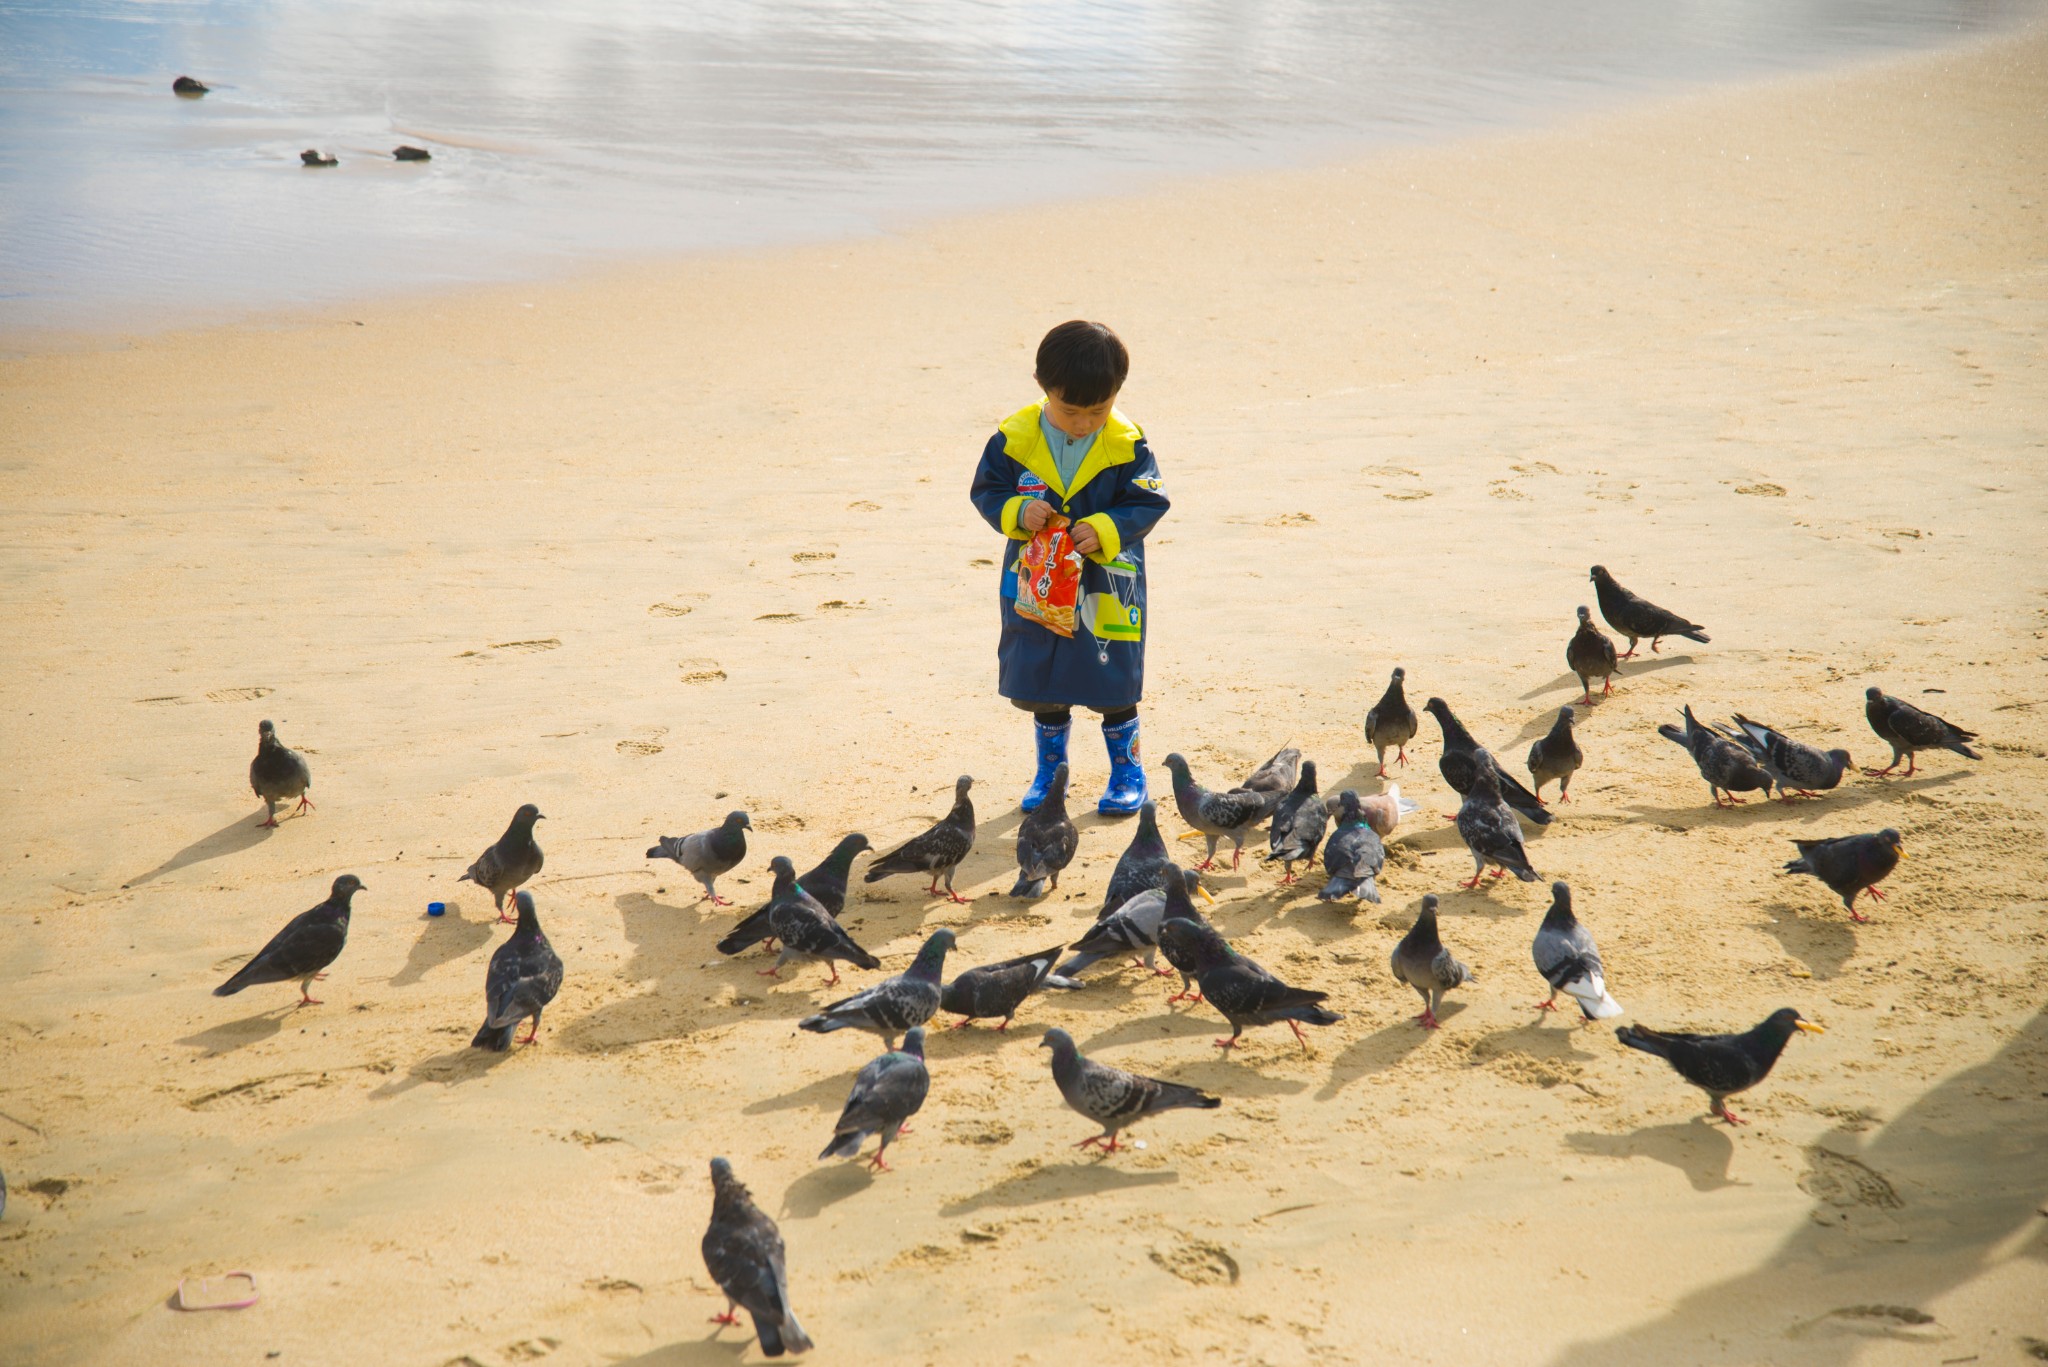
<point x="743" y="1253"/>
<point x="1111" y="1097"/>
<point x="1850" y="864"/>
<point x="886" y="1093"/>
<point x="806" y="929"/>
<point x="514" y="860"/>
<point x="1909" y="730"/>
<point x="524" y="976"/>
<point x="1422" y="962"/>
<point x="1139" y="866"/>
<point x="1214" y="815"/>
<point x="1249" y="995"/>
<point x="999" y="989"/>
<point x="937" y="851"/>
<point x="1274" y="779"/>
<point x="1354" y="855"/>
<point x="1727" y="767"/>
<point x="895" y="1004"/>
<point x="1794" y="766"/>
<point x="1046" y="840"/>
<point x="1721" y="1065"/>
<point x="278" y="774"/>
<point x="1298" y="823"/>
<point x="708" y="854"/>
<point x="1591" y="656"/>
<point x="1459" y="762"/>
<point x="1569" y="960"/>
<point x="1556" y="755"/>
<point x="1489" y="830"/>
<point x="1391" y="723"/>
<point x="1636" y="617"/>
<point x="1133" y="928"/>
<point x="827" y="882"/>
<point x="302" y="950"/>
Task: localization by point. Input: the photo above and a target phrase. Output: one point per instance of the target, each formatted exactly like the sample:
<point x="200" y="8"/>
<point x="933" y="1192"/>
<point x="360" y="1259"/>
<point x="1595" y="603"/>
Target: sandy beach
<point x="645" y="546"/>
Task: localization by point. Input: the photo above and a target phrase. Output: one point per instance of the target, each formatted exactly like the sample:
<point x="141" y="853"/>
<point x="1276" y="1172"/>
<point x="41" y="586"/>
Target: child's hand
<point x="1085" y="539"/>
<point x="1035" y="515"/>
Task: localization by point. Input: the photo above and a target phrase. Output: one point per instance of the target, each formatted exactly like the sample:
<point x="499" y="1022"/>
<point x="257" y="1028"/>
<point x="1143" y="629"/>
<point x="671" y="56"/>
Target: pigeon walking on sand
<point x="808" y="932"/>
<point x="1794" y="766"/>
<point x="1133" y="928"/>
<point x="1354" y="855"/>
<point x="1140" y="866"/>
<point x="513" y="861"/>
<point x="886" y="1093"/>
<point x="1274" y="779"/>
<point x="1590" y="654"/>
<point x="1908" y="730"/>
<point x="1046" y="840"/>
<point x="827" y="882"/>
<point x="1422" y="962"/>
<point x="1556" y="755"/>
<point x="937" y="851"/>
<point x="524" y="976"/>
<point x="1247" y="994"/>
<point x="1569" y="960"/>
<point x="278" y="774"/>
<point x="743" y="1253"/>
<point x="708" y="854"/>
<point x="1111" y="1097"/>
<point x="1636" y="617"/>
<point x="895" y="1004"/>
<point x="1727" y="767"/>
<point x="1489" y="829"/>
<point x="994" y="990"/>
<point x="1851" y="864"/>
<point x="1187" y="940"/>
<point x="1721" y="1065"/>
<point x="1460" y="761"/>
<point x="1214" y="816"/>
<point x="305" y="947"/>
<point x="1298" y="822"/>
<point x="1391" y="723"/>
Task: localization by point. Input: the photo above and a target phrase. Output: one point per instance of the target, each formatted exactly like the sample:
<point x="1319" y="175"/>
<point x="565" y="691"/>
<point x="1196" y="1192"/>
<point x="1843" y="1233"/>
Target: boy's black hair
<point x="1083" y="363"/>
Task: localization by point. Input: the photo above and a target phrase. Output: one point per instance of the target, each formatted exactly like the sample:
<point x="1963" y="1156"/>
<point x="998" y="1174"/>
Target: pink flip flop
<point x="203" y="1296"/>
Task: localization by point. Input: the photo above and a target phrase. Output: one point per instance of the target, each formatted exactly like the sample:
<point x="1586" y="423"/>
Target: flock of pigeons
<point x="1148" y="910"/>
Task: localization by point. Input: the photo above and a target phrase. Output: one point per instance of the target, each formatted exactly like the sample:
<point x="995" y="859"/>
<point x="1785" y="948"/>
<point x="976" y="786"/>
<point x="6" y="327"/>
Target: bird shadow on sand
<point x="1492" y="898"/>
<point x="1822" y="940"/>
<point x="1059" y="1182"/>
<point x="229" y="1036"/>
<point x="1170" y="1024"/>
<point x="1700" y="1150"/>
<point x="830" y="1183"/>
<point x="826" y="1094"/>
<point x="442" y="939"/>
<point x="243" y="833"/>
<point x="1629" y="669"/>
<point x="721" y="1346"/>
<point x="1382" y="1049"/>
<point x="451" y="1069"/>
<point x="1804" y="812"/>
<point x="667" y="940"/>
<point x="1237" y="1074"/>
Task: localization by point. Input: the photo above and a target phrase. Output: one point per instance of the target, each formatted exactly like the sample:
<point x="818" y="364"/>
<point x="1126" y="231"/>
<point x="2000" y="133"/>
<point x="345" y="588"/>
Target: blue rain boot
<point x="1126" y="790"/>
<point x="1052" y="753"/>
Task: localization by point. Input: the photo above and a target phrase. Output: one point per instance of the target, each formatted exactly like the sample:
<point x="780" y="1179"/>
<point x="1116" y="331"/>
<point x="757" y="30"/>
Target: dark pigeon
<point x="1133" y="928"/>
<point x="1590" y="654"/>
<point x="1111" y="1097"/>
<point x="1214" y="815"/>
<point x="1909" y="730"/>
<point x="886" y="1093"/>
<point x="827" y="882"/>
<point x="1274" y="779"/>
<point x="524" y="976"/>
<point x="1139" y="866"/>
<point x="1794" y="766"/>
<point x="895" y="1004"/>
<point x="302" y="950"/>
<point x="1556" y="755"/>
<point x="513" y="861"/>
<point x="1721" y="1065"/>
<point x="278" y="774"/>
<point x="1636" y="617"/>
<point x="1046" y="840"/>
<point x="1247" y="994"/>
<point x="808" y="932"/>
<point x="1458" y="764"/>
<point x="939" y="850"/>
<point x="1727" y="767"/>
<point x="1391" y="723"/>
<point x="1422" y="962"/>
<point x="708" y="854"/>
<point x="1298" y="822"/>
<point x="313" y="156"/>
<point x="407" y="152"/>
<point x="1850" y="864"/>
<point x="743" y="1253"/>
<point x="1354" y="855"/>
<point x="999" y="989"/>
<point x="1569" y="960"/>
<point x="1489" y="829"/>
<point x="1188" y="941"/>
<point x="187" y="86"/>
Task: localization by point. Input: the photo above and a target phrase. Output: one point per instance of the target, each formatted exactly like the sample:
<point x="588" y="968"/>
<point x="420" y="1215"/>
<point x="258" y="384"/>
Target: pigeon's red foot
<point x="305" y="805"/>
<point x="1382" y="772"/>
<point x="1550" y="1005"/>
<point x="1731" y="1117"/>
<point x="271" y="822"/>
<point x="1298" y="1035"/>
<point x="1401" y="756"/>
<point x="322" y="977"/>
<point x="1109" y="1144"/>
<point x="727" y="1318"/>
<point x="1428" y="1021"/>
<point x="1207" y="864"/>
<point x="877" y="1163"/>
<point x="1629" y="656"/>
<point x="1607" y="686"/>
<point x="1656" y="649"/>
<point x="1564" y="795"/>
<point x="1184" y="996"/>
<point x="1160" y="972"/>
<point x="533" y="1035"/>
<point x="1236" y="857"/>
<point x="305" y="1000"/>
<point x="963" y="1022"/>
<point x="1875" y="891"/>
<point x="1230" y="1043"/>
<point x="1880" y="773"/>
<point x="774" y="972"/>
<point x="1587" y="701"/>
<point x="1004" y="1027"/>
<point x="1471" y="882"/>
<point x="1498" y="873"/>
<point x="1286" y="879"/>
<point x="718" y="901"/>
<point x="833" y="981"/>
<point x="956" y="898"/>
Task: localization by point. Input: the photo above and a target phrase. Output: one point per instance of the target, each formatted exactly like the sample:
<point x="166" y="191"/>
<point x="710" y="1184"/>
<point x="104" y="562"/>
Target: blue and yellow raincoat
<point x="1117" y="491"/>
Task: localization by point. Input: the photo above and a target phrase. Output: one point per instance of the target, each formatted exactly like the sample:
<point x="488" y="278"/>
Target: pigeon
<point x="1274" y="779"/>
<point x="1133" y="928"/>
<point x="1046" y="840"/>
<point x="806" y="929"/>
<point x="1794" y="766"/>
<point x="1214" y="815"/>
<point x="186" y="85"/>
<point x="999" y="989"/>
<point x="1908" y="730"/>
<point x="1422" y="962"/>
<point x="1488" y="829"/>
<point x="886" y="1092"/>
<point x="1298" y="823"/>
<point x="1391" y="723"/>
<point x="278" y="774"/>
<point x="1851" y="863"/>
<point x="407" y="152"/>
<point x="514" y="860"/>
<point x="743" y="1253"/>
<point x="314" y="157"/>
<point x="1139" y="866"/>
<point x="1354" y="855"/>
<point x="1721" y="1065"/>
<point x="892" y="1005"/>
<point x="308" y="943"/>
<point x="1187" y="939"/>
<point x="1457" y="764"/>
<point x="1727" y="767"/>
<point x="1247" y="994"/>
<point x="938" y="851"/>
<point x="1590" y="655"/>
<point x="1556" y="755"/>
<point x="1637" y="617"/>
<point x="524" y="976"/>
<point x="1569" y="960"/>
<point x="708" y="854"/>
<point x="827" y="882"/>
<point x="1111" y="1097"/>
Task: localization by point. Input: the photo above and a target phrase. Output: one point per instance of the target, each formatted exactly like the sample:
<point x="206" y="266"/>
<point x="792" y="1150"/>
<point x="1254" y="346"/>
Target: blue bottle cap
<point x="437" y="908"/>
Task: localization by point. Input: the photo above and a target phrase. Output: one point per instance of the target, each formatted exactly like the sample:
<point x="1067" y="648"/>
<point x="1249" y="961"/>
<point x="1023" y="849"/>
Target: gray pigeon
<point x="808" y="932"/>
<point x="1636" y="617"/>
<point x="1851" y="864"/>
<point x="1214" y="815"/>
<point x="1459" y="762"/>
<point x="892" y="1005"/>
<point x="1111" y="1097"/>
<point x="999" y="989"/>
<point x="512" y="861"/>
<point x="308" y="943"/>
<point x="1274" y="779"/>
<point x="1046" y="840"/>
<point x="1247" y="994"/>
<point x="1354" y="855"/>
<point x="1489" y="830"/>
<point x="278" y="774"/>
<point x="1298" y="824"/>
<point x="1422" y="962"/>
<point x="886" y="1093"/>
<point x="1909" y="730"/>
<point x="1796" y="767"/>
<point x="524" y="976"/>
<point x="827" y="882"/>
<point x="1569" y="960"/>
<point x="1591" y="656"/>
<point x="708" y="854"/>
<point x="1139" y="866"/>
<point x="1556" y="755"/>
<point x="939" y="850"/>
<point x="1391" y="723"/>
<point x="1727" y="767"/>
<point x="1133" y="928"/>
<point x="743" y="1253"/>
<point x="1187" y="939"/>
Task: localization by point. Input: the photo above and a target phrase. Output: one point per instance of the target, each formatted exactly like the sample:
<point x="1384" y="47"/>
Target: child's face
<point x="1075" y="420"/>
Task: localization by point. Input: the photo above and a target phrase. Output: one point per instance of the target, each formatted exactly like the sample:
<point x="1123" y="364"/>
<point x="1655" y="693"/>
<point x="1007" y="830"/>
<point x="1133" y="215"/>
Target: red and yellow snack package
<point x="1049" y="578"/>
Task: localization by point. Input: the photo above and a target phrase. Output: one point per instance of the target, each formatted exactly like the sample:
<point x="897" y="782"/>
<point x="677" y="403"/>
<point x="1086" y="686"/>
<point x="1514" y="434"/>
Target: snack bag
<point x="1049" y="578"/>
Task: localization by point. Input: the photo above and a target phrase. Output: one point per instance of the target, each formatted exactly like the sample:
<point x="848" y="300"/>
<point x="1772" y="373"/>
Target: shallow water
<point x="573" y="129"/>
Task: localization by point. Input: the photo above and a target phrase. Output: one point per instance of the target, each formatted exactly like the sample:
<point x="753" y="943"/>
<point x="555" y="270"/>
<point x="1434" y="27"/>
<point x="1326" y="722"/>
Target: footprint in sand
<point x="1198" y="1262"/>
<point x="648" y="742"/>
<point x="802" y="556"/>
<point x="1761" y="490"/>
<point x="861" y="505"/>
<point x="670" y="610"/>
<point x="529" y="647"/>
<point x="700" y="671"/>
<point x="1290" y="520"/>
<point x="238" y="694"/>
<point x="1501" y="488"/>
<point x="169" y="700"/>
<point x="779" y="617"/>
<point x="1408" y="495"/>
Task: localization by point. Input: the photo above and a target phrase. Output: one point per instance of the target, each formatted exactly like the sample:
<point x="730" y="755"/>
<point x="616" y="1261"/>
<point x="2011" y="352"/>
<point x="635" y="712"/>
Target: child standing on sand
<point x="1074" y="456"/>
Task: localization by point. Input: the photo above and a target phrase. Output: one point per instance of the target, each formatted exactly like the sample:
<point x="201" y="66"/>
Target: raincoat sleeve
<point x="994" y="492"/>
